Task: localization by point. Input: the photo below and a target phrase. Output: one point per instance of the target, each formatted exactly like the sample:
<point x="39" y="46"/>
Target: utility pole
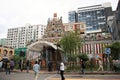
<point x="108" y="51"/>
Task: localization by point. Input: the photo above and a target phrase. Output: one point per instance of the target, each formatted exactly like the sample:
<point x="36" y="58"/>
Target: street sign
<point x="107" y="50"/>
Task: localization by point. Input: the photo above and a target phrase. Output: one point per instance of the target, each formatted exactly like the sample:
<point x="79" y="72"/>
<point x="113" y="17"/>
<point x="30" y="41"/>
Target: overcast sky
<point x="17" y="13"/>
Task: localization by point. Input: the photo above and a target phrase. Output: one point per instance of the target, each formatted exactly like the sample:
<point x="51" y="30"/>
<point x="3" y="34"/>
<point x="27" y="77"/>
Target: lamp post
<point x="22" y="54"/>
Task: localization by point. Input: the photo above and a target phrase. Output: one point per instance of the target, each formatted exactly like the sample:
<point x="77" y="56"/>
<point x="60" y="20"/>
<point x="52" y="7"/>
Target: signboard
<point x="107" y="51"/>
<point x="100" y="55"/>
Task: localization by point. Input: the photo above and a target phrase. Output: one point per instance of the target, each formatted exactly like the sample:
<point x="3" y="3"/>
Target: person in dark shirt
<point x="83" y="67"/>
<point x="50" y="66"/>
<point x="58" y="67"/>
<point x="27" y="65"/>
<point x="12" y="64"/>
<point x="20" y="65"/>
<point x="7" y="67"/>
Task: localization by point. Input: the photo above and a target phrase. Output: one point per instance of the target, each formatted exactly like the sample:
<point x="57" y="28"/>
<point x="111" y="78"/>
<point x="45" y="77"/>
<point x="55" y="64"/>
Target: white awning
<point x="38" y="46"/>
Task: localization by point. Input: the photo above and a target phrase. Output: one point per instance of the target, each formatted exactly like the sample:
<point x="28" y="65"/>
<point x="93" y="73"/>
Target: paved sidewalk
<point x="87" y="72"/>
<point x="45" y="75"/>
<point x="101" y="75"/>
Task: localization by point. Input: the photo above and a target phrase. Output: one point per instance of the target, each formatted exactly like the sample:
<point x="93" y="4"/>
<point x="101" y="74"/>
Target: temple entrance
<point x="51" y="57"/>
<point x="46" y="53"/>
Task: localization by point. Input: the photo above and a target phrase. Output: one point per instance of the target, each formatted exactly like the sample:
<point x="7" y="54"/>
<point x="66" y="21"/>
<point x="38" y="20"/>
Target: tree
<point x="16" y="59"/>
<point x="83" y="57"/>
<point x="70" y="43"/>
<point x="115" y="50"/>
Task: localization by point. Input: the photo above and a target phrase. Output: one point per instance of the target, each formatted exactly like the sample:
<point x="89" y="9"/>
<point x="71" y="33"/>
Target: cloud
<point x="3" y="35"/>
<point x="17" y="13"/>
<point x="3" y="31"/>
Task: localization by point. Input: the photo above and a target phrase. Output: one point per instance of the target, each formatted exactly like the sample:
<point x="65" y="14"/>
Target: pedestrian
<point x="49" y="66"/>
<point x="36" y="69"/>
<point x="27" y="66"/>
<point x="1" y="64"/>
<point x="100" y="63"/>
<point x="114" y="66"/>
<point x="7" y="67"/>
<point x="83" y="67"/>
<point x="20" y="65"/>
<point x="12" y="64"/>
<point x="58" y="67"/>
<point x="40" y="63"/>
<point x="62" y="68"/>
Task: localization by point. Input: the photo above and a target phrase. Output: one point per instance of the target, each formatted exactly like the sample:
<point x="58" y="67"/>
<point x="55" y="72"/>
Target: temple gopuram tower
<point x="54" y="30"/>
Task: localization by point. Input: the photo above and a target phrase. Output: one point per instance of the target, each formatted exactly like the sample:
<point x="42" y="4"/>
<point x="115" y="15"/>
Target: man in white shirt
<point x="36" y="69"/>
<point x="1" y="63"/>
<point x="62" y="67"/>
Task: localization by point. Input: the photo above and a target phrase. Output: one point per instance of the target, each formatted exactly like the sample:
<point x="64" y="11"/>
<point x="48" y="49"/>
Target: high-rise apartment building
<point x="3" y="42"/>
<point x="94" y="16"/>
<point x="18" y="37"/>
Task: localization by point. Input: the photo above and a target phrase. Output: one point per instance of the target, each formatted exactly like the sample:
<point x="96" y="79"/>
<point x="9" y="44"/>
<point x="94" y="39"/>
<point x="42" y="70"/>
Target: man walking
<point x="62" y="67"/>
<point x="27" y="66"/>
<point x="36" y="69"/>
<point x="1" y="64"/>
<point x="100" y="64"/>
<point x="7" y="67"/>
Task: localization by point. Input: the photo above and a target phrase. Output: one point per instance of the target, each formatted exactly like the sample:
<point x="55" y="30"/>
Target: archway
<point x="5" y="52"/>
<point x="46" y="52"/>
<point x="11" y="54"/>
<point x="0" y="50"/>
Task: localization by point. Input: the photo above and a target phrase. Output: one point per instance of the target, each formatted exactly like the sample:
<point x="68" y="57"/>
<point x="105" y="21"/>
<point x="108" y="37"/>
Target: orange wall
<point x="8" y="51"/>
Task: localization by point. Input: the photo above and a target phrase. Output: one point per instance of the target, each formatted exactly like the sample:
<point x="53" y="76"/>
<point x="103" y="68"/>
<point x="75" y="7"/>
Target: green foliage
<point x="70" y="42"/>
<point x="84" y="57"/>
<point x="16" y="59"/>
<point x="72" y="57"/>
<point x="115" y="50"/>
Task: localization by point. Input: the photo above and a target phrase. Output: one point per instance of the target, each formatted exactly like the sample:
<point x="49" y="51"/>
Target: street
<point x="54" y="76"/>
<point x="22" y="76"/>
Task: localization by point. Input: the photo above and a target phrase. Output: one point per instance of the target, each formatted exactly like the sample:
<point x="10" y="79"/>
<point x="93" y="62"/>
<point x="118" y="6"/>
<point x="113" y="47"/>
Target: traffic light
<point x="22" y="53"/>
